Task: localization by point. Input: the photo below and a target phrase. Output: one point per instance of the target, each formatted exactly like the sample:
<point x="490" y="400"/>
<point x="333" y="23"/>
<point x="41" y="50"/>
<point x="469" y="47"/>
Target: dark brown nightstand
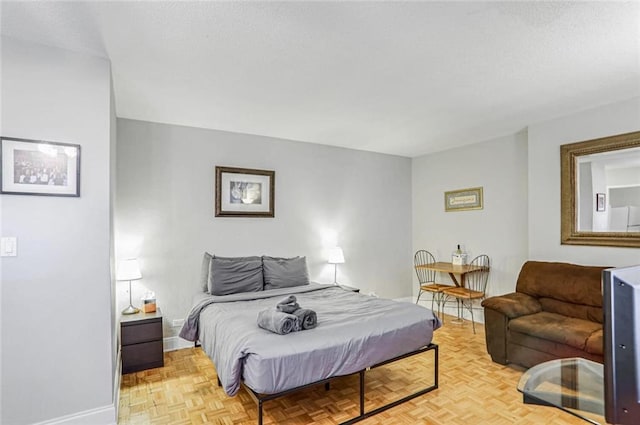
<point x="141" y="341"/>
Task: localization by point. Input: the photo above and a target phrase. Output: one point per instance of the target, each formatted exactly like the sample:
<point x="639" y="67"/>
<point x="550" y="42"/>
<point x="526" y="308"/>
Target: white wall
<point x="323" y="195"/>
<point x="56" y="310"/>
<point x="498" y="230"/>
<point x="115" y="343"/>
<point x="623" y="196"/>
<point x="544" y="176"/>
<point x="598" y="185"/>
<point x="521" y="179"/>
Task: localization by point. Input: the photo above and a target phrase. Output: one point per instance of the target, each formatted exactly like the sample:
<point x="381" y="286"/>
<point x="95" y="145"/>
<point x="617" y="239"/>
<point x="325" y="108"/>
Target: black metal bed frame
<point x="261" y="398"/>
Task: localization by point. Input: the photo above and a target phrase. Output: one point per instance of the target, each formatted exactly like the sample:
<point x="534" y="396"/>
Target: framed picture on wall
<point x="244" y="192"/>
<point x="463" y="199"/>
<point x="37" y="167"/>
<point x="600" y="202"/>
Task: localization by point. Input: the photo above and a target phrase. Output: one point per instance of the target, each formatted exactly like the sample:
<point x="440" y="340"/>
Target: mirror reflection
<point x="608" y="191"/>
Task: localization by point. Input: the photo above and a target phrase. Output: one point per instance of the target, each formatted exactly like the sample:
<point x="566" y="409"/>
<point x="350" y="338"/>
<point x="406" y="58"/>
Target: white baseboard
<point x="101" y="416"/>
<point x="108" y="415"/>
<point x="173" y="343"/>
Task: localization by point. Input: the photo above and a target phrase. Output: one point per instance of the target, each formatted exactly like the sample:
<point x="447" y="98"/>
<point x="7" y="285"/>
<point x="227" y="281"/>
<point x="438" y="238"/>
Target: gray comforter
<point x="353" y="332"/>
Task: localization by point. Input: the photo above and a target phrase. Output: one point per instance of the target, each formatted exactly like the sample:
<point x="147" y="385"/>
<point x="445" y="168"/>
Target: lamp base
<point x="130" y="310"/>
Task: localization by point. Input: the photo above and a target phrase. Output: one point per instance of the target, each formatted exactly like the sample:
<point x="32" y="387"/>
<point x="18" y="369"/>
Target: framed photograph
<point x="463" y="199"/>
<point x="600" y="202"/>
<point x="36" y="167"/>
<point x="243" y="192"/>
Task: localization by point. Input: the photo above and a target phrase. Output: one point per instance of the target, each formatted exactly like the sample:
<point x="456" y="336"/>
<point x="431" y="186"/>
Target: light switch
<point x="8" y="246"/>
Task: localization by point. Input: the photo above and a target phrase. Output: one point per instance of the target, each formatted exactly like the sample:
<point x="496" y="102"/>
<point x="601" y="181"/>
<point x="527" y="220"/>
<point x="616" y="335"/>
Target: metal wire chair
<point x="475" y="286"/>
<point x="427" y="278"/>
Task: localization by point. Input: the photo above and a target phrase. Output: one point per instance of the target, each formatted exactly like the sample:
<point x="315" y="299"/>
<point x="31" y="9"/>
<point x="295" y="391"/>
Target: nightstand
<point x="141" y="341"/>
<point x="349" y="288"/>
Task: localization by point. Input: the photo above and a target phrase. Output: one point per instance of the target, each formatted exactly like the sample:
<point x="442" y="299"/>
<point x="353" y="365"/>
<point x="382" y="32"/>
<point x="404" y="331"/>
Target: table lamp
<point x="335" y="257"/>
<point x="129" y="270"/>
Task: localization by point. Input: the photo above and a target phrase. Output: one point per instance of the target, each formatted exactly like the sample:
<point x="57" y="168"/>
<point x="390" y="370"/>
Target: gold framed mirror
<point x="600" y="191"/>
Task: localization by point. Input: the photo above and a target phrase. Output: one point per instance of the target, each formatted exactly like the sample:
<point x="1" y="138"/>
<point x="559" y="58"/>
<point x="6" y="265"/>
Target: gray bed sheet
<point x="354" y="331"/>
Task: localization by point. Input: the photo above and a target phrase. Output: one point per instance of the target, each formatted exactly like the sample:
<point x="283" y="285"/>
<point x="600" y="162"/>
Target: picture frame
<point x="601" y="202"/>
<point x="463" y="199"/>
<point x="244" y="192"/>
<point x="38" y="167"/>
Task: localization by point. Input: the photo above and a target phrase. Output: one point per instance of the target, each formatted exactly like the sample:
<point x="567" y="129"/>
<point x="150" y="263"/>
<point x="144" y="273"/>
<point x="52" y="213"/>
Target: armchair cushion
<point x="562" y="281"/>
<point x="556" y="328"/>
<point x="578" y="311"/>
<point x="595" y="343"/>
<point x="513" y="305"/>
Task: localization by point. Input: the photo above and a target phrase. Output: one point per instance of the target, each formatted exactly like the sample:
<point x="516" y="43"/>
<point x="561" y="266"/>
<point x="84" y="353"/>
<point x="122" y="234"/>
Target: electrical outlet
<point x="8" y="246"/>
<point x="373" y="294"/>
<point x="177" y="322"/>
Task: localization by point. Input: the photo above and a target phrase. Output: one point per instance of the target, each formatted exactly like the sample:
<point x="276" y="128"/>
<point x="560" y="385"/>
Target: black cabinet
<point x="141" y="341"/>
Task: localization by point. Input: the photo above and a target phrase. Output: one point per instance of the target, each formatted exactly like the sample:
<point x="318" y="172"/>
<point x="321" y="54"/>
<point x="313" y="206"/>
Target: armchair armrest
<point x="497" y="313"/>
<point x="513" y="305"/>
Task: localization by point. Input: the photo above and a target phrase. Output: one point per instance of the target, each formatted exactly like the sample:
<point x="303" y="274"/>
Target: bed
<point x="354" y="332"/>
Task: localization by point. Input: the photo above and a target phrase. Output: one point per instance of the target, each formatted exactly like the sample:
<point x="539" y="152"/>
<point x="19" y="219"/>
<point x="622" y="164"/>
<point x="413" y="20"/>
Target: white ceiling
<point x="404" y="78"/>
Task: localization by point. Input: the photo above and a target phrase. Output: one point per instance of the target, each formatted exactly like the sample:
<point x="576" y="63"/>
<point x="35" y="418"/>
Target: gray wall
<point x="55" y="303"/>
<point x="521" y="179"/>
<point x="498" y="230"/>
<point x="545" y="139"/>
<point x="115" y="343"/>
<point x="323" y="195"/>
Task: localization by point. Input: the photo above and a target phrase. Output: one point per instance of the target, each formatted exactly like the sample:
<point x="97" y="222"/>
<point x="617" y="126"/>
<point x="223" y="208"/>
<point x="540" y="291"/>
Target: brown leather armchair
<point x="556" y="312"/>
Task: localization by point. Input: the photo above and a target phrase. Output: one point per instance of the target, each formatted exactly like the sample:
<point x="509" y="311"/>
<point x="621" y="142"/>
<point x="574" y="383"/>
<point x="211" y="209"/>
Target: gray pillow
<point x="232" y="275"/>
<point x="284" y="272"/>
<point x="204" y="272"/>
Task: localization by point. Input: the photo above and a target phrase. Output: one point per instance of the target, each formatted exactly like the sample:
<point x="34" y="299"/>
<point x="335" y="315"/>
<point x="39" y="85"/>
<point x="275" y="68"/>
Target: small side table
<point x="574" y="385"/>
<point x="141" y="341"/>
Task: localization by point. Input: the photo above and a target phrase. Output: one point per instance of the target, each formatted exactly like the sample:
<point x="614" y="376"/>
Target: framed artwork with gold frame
<point x="463" y="199"/>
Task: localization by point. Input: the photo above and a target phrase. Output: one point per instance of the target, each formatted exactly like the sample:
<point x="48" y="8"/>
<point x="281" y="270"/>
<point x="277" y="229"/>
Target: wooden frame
<point x="38" y="167"/>
<point x="244" y="192"/>
<point x="569" y="153"/>
<point x="463" y="199"/>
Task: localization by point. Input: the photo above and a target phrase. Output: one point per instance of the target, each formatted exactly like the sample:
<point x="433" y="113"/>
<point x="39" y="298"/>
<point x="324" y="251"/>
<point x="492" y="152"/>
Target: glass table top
<point x="574" y="385"/>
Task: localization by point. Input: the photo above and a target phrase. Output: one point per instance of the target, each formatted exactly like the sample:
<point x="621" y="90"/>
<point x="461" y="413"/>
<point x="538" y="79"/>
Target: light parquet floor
<point x="472" y="390"/>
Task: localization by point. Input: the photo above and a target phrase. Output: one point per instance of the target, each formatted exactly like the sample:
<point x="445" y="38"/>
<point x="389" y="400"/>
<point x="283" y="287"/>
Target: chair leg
<point x="443" y="301"/>
<point x="419" y="293"/>
<point x="473" y="323"/>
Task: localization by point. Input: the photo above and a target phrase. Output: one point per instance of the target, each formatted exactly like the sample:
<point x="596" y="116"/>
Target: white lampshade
<point x="128" y="270"/>
<point x="336" y="256"/>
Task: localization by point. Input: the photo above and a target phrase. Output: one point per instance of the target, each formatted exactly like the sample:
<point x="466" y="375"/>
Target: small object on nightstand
<point x="141" y="341"/>
<point x="149" y="302"/>
<point x="349" y="288"/>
